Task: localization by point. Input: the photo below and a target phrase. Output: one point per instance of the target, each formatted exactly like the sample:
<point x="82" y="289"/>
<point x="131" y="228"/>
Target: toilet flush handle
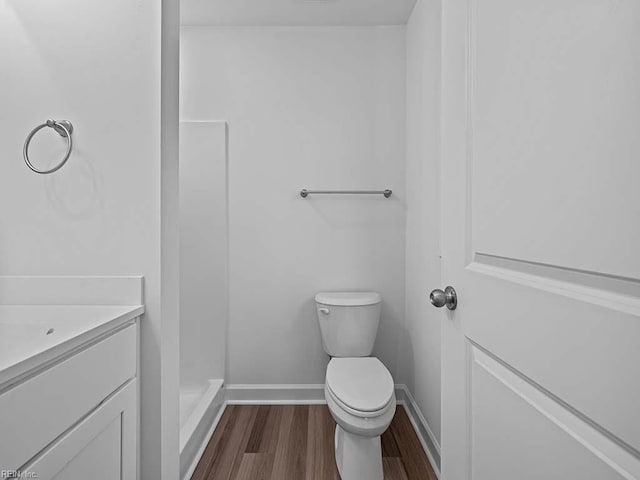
<point x="324" y="311"/>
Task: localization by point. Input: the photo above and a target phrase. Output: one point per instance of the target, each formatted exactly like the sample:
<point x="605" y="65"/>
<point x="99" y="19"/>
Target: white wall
<point x="203" y="253"/>
<point x="421" y="342"/>
<point x="315" y="108"/>
<point x="97" y="64"/>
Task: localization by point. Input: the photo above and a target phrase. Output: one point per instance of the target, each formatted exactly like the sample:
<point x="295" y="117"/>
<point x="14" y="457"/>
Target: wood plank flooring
<point x="295" y="442"/>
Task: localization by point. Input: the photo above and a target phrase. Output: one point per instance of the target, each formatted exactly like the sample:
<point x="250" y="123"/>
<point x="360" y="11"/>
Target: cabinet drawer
<point x="37" y="411"/>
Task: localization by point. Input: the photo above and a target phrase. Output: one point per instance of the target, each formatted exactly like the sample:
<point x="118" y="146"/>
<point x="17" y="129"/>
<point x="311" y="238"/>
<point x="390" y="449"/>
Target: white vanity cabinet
<point x="75" y="417"/>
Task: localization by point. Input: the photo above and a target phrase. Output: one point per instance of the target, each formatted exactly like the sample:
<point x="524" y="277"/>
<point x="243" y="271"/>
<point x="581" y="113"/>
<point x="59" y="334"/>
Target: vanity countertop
<point x="32" y="335"/>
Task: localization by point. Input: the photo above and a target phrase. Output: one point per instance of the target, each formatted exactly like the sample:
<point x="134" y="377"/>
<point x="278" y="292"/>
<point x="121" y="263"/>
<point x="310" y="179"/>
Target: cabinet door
<point x="102" y="446"/>
<point x="43" y="407"/>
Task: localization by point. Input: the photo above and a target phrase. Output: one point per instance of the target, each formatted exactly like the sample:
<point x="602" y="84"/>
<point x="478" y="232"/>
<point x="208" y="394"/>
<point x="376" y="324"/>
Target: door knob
<point x="449" y="298"/>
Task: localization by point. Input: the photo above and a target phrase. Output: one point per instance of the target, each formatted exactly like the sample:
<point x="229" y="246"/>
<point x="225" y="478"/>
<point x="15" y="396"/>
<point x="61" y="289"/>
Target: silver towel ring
<point x="65" y="129"/>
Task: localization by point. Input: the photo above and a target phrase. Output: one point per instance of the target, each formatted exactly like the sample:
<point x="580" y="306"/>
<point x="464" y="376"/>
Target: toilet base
<point x="358" y="457"/>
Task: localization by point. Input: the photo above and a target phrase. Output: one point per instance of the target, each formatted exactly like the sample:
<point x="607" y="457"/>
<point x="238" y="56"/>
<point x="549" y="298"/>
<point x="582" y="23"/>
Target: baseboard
<point x="313" y="394"/>
<point x="428" y="440"/>
<point x="198" y="430"/>
<point x="294" y="394"/>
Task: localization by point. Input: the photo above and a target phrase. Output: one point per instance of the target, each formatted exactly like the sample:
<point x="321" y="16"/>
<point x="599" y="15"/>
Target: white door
<point x="541" y="239"/>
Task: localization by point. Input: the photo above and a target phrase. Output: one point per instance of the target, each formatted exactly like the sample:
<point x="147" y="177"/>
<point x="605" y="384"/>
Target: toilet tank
<point x="348" y="322"/>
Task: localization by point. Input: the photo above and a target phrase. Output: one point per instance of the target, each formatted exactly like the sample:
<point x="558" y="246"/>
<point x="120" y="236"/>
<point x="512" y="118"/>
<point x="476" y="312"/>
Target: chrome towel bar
<point x="304" y="193"/>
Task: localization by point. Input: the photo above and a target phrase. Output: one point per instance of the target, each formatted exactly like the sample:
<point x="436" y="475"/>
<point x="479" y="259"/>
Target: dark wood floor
<point x="296" y="443"/>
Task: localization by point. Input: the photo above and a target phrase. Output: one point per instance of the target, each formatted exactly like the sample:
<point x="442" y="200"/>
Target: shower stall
<point x="203" y="282"/>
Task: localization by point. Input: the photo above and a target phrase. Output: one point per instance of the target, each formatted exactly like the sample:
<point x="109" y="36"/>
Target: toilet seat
<point x="358" y="413"/>
<point x="361" y="386"/>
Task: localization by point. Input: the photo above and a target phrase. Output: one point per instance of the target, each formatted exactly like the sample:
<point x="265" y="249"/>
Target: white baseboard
<point x="313" y="394"/>
<point x="428" y="440"/>
<point x="294" y="394"/>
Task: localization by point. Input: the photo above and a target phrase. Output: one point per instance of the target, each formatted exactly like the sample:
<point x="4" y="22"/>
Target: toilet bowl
<point x="359" y="389"/>
<point x="360" y="396"/>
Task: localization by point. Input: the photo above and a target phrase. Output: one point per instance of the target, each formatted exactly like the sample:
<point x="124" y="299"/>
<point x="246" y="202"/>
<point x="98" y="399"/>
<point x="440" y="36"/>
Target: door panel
<point x="586" y="355"/>
<point x="547" y="440"/>
<point x="540" y="149"/>
<point x="556" y="110"/>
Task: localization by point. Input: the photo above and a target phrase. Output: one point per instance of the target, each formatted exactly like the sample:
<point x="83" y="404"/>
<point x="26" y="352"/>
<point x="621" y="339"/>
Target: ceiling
<point x="295" y="12"/>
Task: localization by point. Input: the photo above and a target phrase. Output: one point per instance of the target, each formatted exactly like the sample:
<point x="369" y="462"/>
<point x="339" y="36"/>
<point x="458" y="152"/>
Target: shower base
<point x="199" y="414"/>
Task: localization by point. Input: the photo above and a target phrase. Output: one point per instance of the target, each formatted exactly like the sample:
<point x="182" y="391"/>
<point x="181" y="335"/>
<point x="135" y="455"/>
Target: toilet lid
<point x="349" y="299"/>
<point x="363" y="384"/>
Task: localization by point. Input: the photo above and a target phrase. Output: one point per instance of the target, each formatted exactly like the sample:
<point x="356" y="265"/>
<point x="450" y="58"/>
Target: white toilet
<point x="359" y="389"/>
